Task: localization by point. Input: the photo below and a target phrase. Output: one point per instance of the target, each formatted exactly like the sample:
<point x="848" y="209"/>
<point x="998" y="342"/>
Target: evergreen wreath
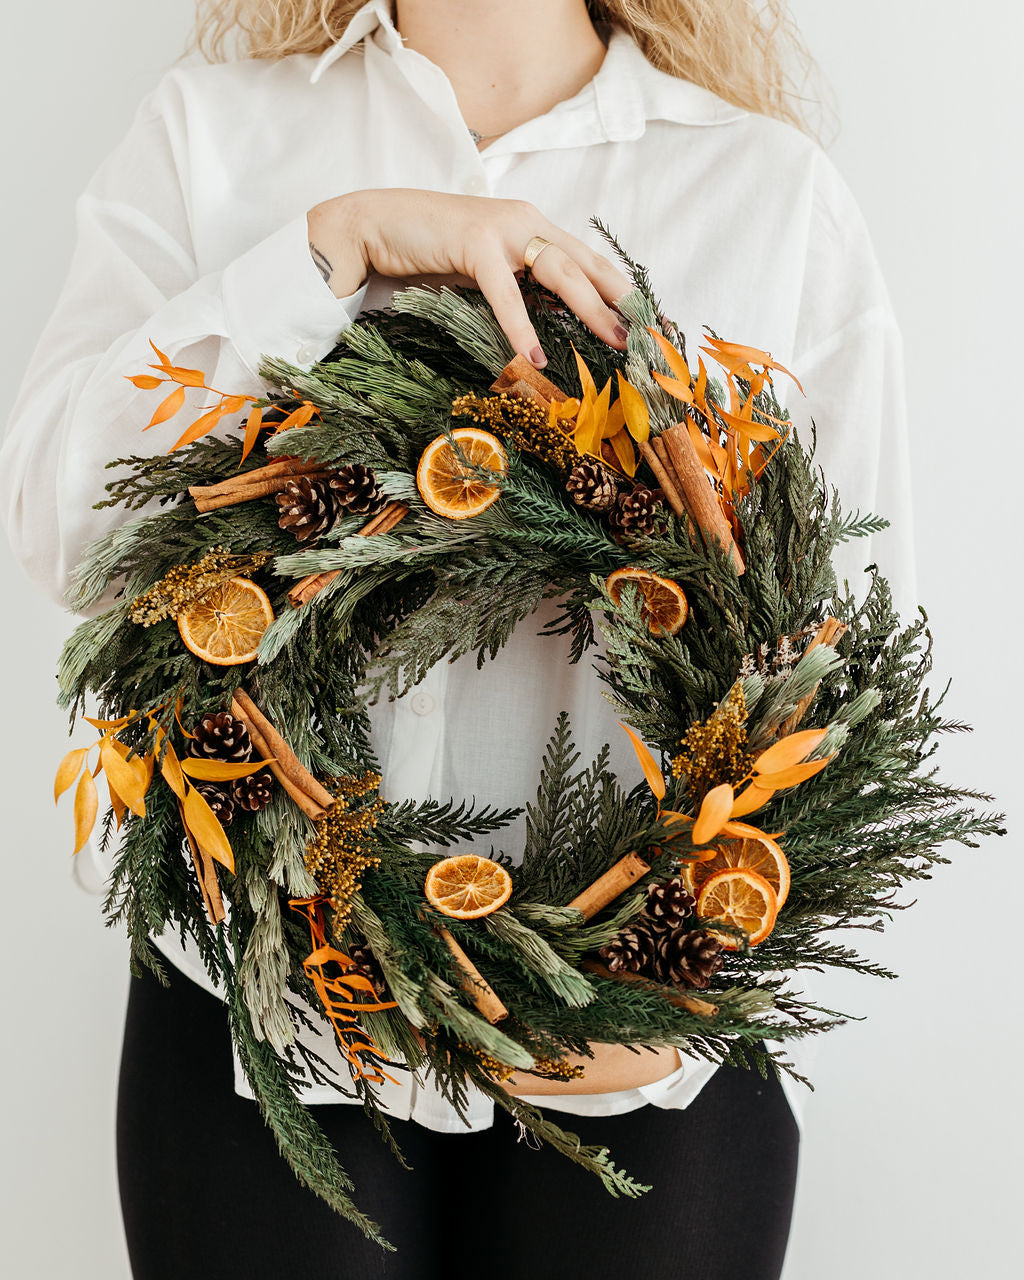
<point x="648" y="911"/>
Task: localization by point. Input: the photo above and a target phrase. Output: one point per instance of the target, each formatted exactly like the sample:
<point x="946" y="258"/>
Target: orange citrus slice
<point x="664" y="606"/>
<point x="225" y="626"/>
<point x="467" y="886"/>
<point x="760" y="854"/>
<point x="447" y="486"/>
<point x="739" y="896"/>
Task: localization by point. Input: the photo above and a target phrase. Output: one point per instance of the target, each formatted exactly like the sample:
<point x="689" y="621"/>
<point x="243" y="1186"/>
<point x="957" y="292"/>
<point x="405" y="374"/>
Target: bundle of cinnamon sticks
<point x="258" y="483"/>
<point x="311" y="797"/>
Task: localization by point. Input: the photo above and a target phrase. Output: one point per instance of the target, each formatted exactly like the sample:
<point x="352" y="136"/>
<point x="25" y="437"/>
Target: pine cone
<point x="253" y="792"/>
<point x="356" y="492"/>
<point x="669" y="903"/>
<point x="307" y="507"/>
<point x="633" y="951"/>
<point x="219" y="800"/>
<point x="219" y="736"/>
<point x="592" y="486"/>
<point x="635" y="512"/>
<point x="367" y="964"/>
<point x="688" y="958"/>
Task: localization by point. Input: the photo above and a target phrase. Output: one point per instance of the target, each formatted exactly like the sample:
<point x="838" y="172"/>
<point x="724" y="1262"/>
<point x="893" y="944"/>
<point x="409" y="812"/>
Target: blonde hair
<point x="749" y="52"/>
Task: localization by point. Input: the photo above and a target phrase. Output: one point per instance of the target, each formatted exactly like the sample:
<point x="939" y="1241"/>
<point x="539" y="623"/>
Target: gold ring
<point x="533" y="251"/>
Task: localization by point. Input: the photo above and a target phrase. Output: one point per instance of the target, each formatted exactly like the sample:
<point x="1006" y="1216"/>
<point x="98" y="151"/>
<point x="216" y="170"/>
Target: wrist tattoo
<point x="322" y="263"/>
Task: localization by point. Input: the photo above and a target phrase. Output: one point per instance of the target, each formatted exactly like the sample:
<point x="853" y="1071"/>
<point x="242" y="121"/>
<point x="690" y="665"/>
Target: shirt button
<point x="475" y="186"/>
<point x="422" y="702"/>
<point x="307" y="353"/>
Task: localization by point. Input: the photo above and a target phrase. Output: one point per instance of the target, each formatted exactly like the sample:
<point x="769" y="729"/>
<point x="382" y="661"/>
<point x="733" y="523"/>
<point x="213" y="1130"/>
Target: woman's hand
<point x="613" y="1067"/>
<point x="470" y="240"/>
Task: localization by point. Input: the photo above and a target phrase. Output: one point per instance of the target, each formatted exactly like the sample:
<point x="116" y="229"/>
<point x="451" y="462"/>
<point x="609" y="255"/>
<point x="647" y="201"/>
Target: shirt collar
<point x="627" y="90"/>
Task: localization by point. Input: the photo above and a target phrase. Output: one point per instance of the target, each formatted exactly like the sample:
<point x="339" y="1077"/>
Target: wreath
<point x="414" y="497"/>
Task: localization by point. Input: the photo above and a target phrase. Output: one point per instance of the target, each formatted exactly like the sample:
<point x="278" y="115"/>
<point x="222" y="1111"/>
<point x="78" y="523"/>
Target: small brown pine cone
<point x="592" y="486"/>
<point x="219" y="800"/>
<point x="367" y="964"/>
<point x="219" y="736"/>
<point x="687" y="958"/>
<point x="253" y="792"/>
<point x="356" y="491"/>
<point x="635" y="512"/>
<point x="669" y="903"/>
<point x="633" y="951"/>
<point x="307" y="508"/>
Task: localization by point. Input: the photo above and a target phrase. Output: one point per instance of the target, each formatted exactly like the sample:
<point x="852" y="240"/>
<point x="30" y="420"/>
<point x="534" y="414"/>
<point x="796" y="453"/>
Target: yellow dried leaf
<point x="118" y="805"/>
<point x="167" y="407"/>
<point x="634" y="410"/>
<point x="614" y="420"/>
<point x="170" y="767"/>
<point x="68" y="770"/>
<point x="126" y="782"/>
<point x="86" y="805"/>
<point x="206" y="830"/>
<point x="622" y="444"/>
<point x="220" y="770"/>
<point x="790" y="750"/>
<point x="714" y="813"/>
<point x="587" y="383"/>
<point x="647" y="762"/>
<point x="107" y="724"/>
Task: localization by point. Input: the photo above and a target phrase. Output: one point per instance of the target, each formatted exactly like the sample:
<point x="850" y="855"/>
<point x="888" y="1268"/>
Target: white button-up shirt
<point x="193" y="234"/>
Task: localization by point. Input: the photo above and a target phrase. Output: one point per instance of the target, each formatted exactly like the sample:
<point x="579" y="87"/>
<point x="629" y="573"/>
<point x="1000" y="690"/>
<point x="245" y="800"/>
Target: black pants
<point x="205" y="1194"/>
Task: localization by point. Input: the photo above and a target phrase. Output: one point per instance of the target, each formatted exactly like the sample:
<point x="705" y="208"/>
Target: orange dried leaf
<point x="107" y="724"/>
<point x="68" y="770"/>
<point x="714" y="813"/>
<point x="206" y="830"/>
<point x="673" y="357"/>
<point x="144" y="381"/>
<point x="794" y="775"/>
<point x="614" y="420"/>
<point x="647" y="762"/>
<point x="170" y="767"/>
<point x="298" y="417"/>
<point x="252" y="430"/>
<point x="678" y="389"/>
<point x="160" y="355"/>
<point x="752" y="797"/>
<point x="86" y="805"/>
<point x="790" y="750"/>
<point x="206" y="422"/>
<point x="186" y="377"/>
<point x="167" y="408"/>
<point x="587" y="383"/>
<point x="221" y="770"/>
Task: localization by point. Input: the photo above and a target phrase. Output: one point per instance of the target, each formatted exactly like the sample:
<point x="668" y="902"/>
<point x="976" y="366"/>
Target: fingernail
<point x="537" y="358"/>
<point x="620" y="333"/>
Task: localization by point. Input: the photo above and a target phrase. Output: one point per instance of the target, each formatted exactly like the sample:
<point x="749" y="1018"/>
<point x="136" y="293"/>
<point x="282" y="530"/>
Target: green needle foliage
<point x="878" y="816"/>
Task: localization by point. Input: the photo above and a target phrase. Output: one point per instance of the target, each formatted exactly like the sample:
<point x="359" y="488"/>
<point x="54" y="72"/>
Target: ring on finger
<point x="535" y="247"/>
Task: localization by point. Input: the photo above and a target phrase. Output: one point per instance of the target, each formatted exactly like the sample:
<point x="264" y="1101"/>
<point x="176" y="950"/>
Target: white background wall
<point x="909" y="1167"/>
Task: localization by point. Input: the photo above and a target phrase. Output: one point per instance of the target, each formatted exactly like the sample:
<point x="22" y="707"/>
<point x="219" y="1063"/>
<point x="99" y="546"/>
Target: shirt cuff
<point x="680" y="1087"/>
<point x="276" y="302"/>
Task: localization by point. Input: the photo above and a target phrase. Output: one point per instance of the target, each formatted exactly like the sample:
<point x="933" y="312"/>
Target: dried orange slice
<point x="447" y="486"/>
<point x="760" y="854"/>
<point x="739" y="896"/>
<point x="467" y="886"/>
<point x="664" y="606"/>
<point x="225" y="626"/>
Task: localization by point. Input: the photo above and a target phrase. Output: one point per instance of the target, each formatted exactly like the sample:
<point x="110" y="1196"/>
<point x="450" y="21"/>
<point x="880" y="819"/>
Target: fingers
<point x="607" y="279"/>
<point x="496" y="281"/>
<point x="562" y="274"/>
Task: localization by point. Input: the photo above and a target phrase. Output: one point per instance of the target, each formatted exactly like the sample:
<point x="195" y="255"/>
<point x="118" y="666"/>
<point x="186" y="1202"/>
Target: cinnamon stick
<point x="691" y="1003"/>
<point x="830" y="632"/>
<point x="249" y="492"/>
<point x="697" y="492"/>
<point x="280" y="467"/>
<point x="666" y="481"/>
<point x="520" y="378"/>
<point x="284" y="756"/>
<point x="306" y="803"/>
<point x="307" y="588"/>
<point x="474" y="983"/>
<point x="607" y="888"/>
<point x="205" y="873"/>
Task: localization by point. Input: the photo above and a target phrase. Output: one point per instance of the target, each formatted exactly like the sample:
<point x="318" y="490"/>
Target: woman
<point x="255" y="207"/>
